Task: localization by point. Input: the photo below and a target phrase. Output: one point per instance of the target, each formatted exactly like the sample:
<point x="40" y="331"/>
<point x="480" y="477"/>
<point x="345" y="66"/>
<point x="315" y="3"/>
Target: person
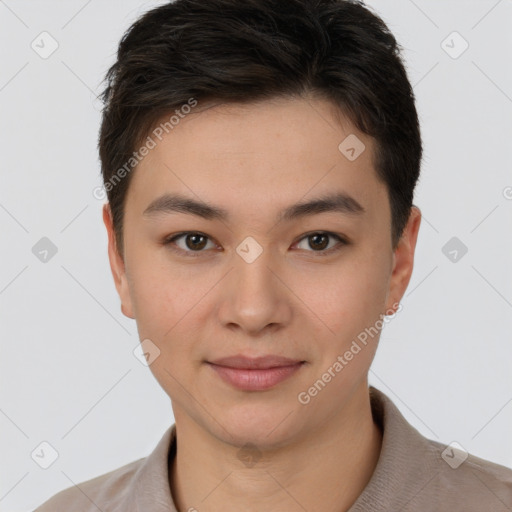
<point x="260" y="159"/>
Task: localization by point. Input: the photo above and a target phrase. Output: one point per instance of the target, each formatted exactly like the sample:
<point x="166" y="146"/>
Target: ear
<point x="117" y="265"/>
<point x="403" y="261"/>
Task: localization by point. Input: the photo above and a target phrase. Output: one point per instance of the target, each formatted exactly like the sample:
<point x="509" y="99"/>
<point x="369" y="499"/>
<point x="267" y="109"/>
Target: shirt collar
<point x="394" y="480"/>
<point x="405" y="463"/>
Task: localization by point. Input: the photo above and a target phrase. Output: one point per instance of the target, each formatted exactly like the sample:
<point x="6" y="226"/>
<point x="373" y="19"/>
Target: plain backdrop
<point x="68" y="374"/>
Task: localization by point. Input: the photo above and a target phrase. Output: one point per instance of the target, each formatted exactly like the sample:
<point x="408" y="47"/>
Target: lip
<point x="255" y="374"/>
<point x="255" y="363"/>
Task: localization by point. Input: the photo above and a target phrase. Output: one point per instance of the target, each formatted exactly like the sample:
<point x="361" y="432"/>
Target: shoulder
<point x="130" y="487"/>
<point x="103" y="492"/>
<point x="465" y="479"/>
<point x="416" y="473"/>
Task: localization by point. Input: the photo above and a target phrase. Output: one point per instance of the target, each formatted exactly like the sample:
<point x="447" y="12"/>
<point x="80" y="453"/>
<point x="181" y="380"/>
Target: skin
<point x="254" y="161"/>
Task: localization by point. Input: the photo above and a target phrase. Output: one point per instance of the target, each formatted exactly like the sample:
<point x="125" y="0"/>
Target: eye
<point x="319" y="242"/>
<point x="193" y="242"/>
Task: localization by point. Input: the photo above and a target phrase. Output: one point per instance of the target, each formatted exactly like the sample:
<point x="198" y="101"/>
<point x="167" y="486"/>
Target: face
<point x="247" y="273"/>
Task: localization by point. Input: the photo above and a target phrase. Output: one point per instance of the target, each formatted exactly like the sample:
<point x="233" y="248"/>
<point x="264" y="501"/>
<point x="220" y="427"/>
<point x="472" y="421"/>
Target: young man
<point x="260" y="159"/>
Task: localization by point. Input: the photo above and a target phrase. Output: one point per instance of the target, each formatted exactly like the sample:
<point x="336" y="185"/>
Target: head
<point x="222" y="119"/>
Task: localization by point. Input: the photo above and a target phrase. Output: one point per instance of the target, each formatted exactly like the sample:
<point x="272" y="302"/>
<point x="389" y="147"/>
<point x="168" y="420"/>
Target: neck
<point x="324" y="471"/>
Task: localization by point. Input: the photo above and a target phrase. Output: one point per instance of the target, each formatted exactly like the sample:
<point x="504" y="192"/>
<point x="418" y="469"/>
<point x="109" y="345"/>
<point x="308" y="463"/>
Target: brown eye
<point x="194" y="243"/>
<point x="320" y="242"/>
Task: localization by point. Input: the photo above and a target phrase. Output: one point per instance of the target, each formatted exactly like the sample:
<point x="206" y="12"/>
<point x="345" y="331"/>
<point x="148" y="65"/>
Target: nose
<point x="255" y="298"/>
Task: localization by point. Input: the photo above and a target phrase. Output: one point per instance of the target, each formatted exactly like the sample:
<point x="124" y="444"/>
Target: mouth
<point x="255" y="374"/>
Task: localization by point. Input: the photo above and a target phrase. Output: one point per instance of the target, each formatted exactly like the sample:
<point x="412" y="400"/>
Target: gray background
<point x="68" y="374"/>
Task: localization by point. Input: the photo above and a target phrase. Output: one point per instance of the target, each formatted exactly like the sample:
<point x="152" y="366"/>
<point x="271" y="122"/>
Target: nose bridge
<point x="254" y="280"/>
<point x="254" y="276"/>
<point x="254" y="297"/>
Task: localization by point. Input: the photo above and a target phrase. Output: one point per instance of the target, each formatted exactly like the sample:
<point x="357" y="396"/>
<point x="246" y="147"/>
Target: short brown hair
<point x="249" y="50"/>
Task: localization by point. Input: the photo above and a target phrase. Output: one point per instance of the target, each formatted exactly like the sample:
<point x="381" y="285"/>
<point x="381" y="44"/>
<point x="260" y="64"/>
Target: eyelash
<point x="194" y="254"/>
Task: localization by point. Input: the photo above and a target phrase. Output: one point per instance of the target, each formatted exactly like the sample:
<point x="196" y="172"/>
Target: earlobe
<point x="117" y="264"/>
<point x="403" y="257"/>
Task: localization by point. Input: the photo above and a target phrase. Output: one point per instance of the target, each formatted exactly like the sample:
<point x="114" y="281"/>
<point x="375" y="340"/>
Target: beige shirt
<point x="413" y="473"/>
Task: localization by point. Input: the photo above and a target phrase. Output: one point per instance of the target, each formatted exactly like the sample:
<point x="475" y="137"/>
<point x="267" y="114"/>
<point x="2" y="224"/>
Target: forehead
<point x="306" y="126"/>
<point x="259" y="156"/>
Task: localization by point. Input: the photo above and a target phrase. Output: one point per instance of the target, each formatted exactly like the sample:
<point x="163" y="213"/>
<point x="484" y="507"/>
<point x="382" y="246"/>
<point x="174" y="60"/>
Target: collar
<point x="405" y="454"/>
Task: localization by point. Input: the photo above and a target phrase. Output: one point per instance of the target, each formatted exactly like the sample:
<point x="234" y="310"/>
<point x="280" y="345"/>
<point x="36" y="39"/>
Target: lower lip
<point x="255" y="380"/>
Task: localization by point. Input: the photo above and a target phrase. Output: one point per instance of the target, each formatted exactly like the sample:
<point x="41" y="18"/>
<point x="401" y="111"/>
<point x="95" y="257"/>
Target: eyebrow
<point x="176" y="203"/>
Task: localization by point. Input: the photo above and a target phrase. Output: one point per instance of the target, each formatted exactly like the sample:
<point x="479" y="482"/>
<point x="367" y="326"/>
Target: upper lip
<point x="255" y="363"/>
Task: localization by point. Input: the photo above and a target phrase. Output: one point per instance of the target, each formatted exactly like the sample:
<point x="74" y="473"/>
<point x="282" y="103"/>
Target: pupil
<point x="195" y="244"/>
<point x="315" y="241"/>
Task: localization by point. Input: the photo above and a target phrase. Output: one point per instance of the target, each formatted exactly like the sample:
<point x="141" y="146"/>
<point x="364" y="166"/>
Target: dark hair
<point x="249" y="50"/>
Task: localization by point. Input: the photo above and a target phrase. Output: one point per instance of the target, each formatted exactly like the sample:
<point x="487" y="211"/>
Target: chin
<point x="264" y="426"/>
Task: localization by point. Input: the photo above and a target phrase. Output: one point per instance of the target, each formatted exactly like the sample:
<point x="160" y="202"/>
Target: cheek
<point x="170" y="303"/>
<point x="348" y="297"/>
<point x="163" y="303"/>
<point x="157" y="295"/>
